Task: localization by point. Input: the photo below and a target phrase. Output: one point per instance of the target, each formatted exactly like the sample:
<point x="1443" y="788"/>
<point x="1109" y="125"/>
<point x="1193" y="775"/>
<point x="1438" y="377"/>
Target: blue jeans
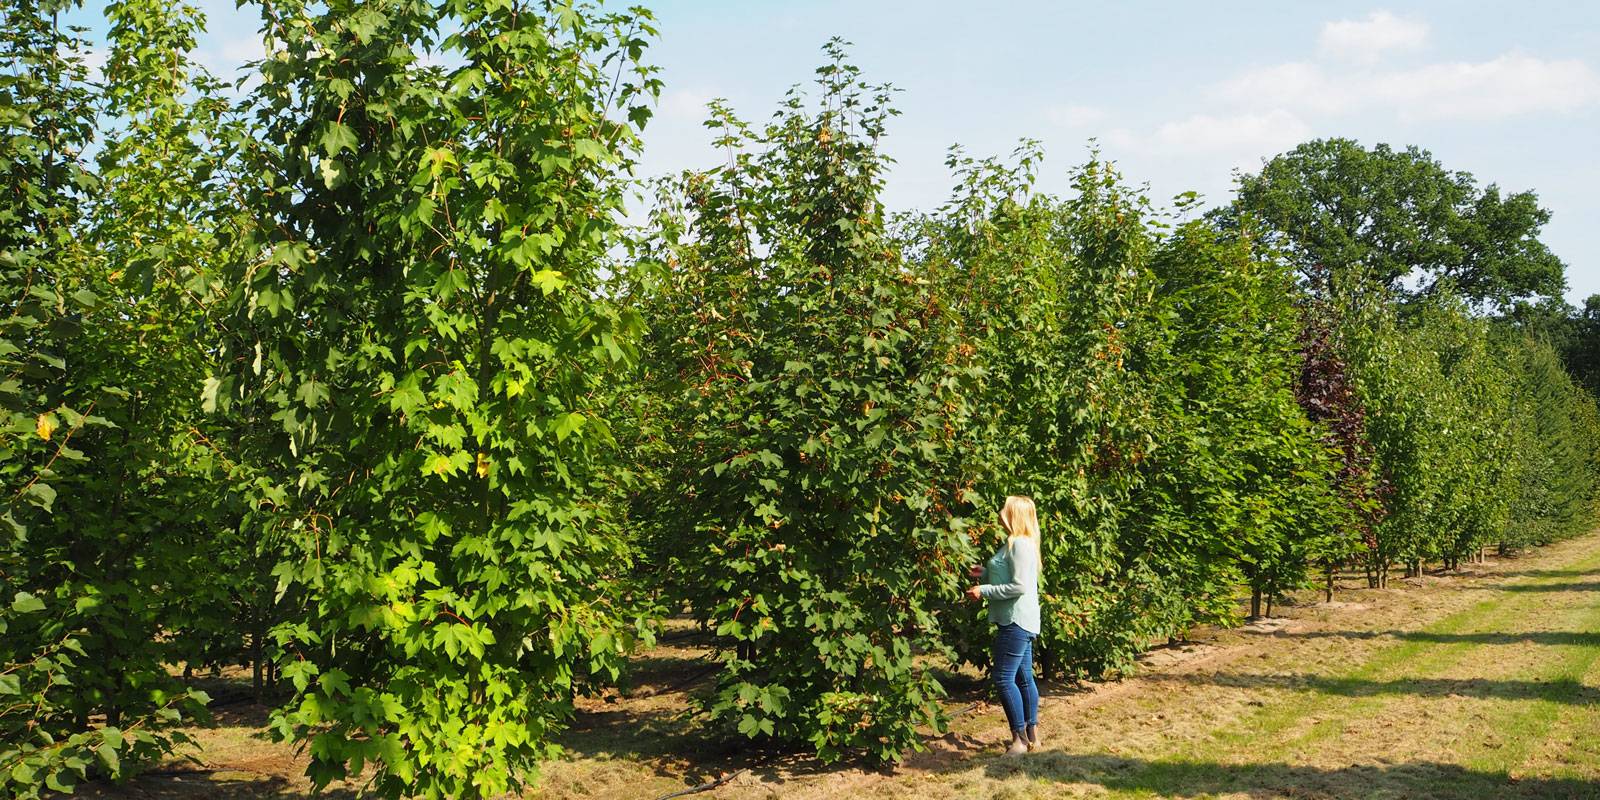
<point x="1013" y="676"/>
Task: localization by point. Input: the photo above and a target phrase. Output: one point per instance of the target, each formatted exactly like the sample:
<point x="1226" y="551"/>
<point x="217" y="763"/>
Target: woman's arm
<point x="1024" y="559"/>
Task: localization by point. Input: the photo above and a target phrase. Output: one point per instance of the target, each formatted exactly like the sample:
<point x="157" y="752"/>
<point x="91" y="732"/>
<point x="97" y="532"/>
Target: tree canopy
<point x="1348" y="216"/>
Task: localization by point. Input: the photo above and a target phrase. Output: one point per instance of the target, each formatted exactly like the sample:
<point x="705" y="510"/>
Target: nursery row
<point x="356" y="375"/>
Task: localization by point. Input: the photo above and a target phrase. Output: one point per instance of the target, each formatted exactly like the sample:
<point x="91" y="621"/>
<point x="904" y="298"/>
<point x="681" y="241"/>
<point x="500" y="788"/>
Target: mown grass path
<point x="1490" y="692"/>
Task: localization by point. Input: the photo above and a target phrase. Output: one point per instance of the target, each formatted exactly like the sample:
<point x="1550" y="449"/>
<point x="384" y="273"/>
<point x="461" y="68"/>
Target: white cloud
<point x="225" y="57"/>
<point x="1240" y="137"/>
<point x="685" y="105"/>
<point x="1298" y="84"/>
<point x="1365" y="40"/>
<point x="1210" y="133"/>
<point x="1075" y="116"/>
<point x="1509" y="85"/>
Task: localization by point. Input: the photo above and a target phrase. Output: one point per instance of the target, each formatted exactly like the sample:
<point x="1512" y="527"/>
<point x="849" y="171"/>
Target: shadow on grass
<point x="632" y="734"/>
<point x="651" y="675"/>
<point x="1546" y="573"/>
<point x="1571" y="638"/>
<point x="1565" y="690"/>
<point x="1203" y="779"/>
<point x="1580" y="586"/>
<point x="676" y="744"/>
<point x="207" y="784"/>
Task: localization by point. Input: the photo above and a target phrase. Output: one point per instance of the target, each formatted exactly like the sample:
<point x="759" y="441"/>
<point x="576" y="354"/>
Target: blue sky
<point x="1180" y="94"/>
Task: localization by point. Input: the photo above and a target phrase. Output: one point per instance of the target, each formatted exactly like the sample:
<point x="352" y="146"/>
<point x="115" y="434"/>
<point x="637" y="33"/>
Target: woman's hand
<point x="972" y="593"/>
<point x="975" y="571"/>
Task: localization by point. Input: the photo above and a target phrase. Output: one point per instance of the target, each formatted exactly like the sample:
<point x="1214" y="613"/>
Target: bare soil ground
<point x="1479" y="684"/>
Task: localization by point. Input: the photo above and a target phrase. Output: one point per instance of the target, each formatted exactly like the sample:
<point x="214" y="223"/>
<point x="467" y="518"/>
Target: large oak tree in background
<point x="1348" y="216"/>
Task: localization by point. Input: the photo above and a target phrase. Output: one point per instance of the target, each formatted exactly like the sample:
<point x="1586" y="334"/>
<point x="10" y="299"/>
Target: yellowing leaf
<point x="549" y="280"/>
<point x="47" y="425"/>
<point x="483" y="465"/>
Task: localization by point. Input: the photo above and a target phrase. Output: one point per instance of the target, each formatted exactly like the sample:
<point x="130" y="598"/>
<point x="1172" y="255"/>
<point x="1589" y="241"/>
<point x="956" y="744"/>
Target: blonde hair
<point x="1019" y="517"/>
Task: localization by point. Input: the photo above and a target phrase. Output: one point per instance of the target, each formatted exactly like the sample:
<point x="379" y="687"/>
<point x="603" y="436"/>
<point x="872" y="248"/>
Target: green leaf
<point x="332" y="173"/>
<point x="336" y="138"/>
<point x="26" y="603"/>
<point x="548" y="280"/>
<point x="108" y="756"/>
<point x="590" y="150"/>
<point x="568" y="424"/>
<point x="312" y="393"/>
<point x="41" y="494"/>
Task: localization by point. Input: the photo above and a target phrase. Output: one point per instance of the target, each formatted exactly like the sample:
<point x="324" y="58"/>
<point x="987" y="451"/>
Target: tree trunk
<point x="258" y="682"/>
<point x="1255" y="603"/>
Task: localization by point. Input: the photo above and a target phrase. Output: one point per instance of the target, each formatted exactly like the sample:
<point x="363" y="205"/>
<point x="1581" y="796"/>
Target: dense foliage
<point x="361" y="382"/>
<point x="1137" y="382"/>
<point x="1243" y="482"/>
<point x="1047" y="292"/>
<point x="1398" y="219"/>
<point x="109" y="553"/>
<point x="417" y="313"/>
<point x="816" y="399"/>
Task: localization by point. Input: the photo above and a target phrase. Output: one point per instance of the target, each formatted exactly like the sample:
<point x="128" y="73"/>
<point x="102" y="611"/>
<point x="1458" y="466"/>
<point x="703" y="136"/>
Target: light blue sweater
<point x="1011" y="584"/>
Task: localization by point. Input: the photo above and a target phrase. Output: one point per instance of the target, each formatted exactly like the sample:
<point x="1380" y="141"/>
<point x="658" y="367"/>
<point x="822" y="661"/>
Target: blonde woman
<point x="1011" y="588"/>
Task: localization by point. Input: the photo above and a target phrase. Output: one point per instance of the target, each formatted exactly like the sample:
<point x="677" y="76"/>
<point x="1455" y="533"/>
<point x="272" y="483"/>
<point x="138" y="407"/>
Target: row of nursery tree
<point x="353" y="375"/>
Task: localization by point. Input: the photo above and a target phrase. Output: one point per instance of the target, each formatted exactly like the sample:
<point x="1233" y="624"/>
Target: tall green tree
<point x="1581" y="351"/>
<point x="435" y="190"/>
<point x="1241" y="483"/>
<point x="114" y="532"/>
<point x="812" y="490"/>
<point x="1555" y="444"/>
<point x="1442" y="425"/>
<point x="1349" y="216"/>
<point x="1050" y="295"/>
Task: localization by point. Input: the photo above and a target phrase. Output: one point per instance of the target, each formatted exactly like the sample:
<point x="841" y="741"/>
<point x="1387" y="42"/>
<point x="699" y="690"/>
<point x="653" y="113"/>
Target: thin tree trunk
<point x="258" y="676"/>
